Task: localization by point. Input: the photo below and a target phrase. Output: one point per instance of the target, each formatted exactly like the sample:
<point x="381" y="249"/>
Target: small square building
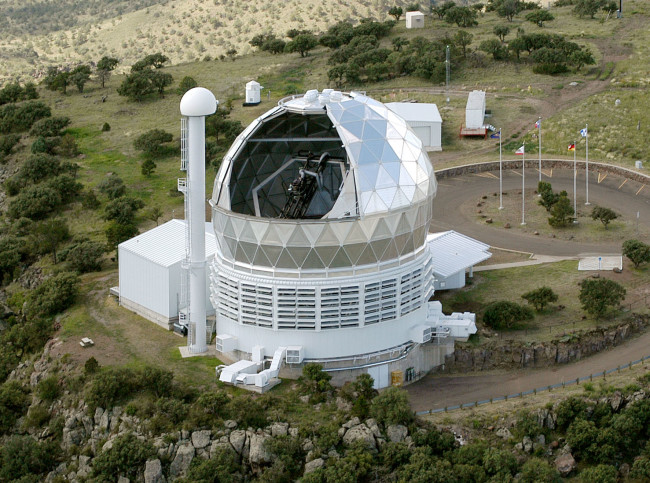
<point x="414" y="20"/>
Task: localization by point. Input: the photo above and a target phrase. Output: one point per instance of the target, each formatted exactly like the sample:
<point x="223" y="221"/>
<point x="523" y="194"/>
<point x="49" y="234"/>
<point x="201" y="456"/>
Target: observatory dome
<point x="323" y="181"/>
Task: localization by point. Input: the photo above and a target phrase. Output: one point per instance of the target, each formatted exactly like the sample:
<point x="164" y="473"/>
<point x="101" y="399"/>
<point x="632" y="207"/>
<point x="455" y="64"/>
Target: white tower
<point x="195" y="105"/>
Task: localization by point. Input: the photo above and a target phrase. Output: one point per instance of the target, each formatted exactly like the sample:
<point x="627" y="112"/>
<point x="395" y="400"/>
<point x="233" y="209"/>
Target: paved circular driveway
<point x="625" y="197"/>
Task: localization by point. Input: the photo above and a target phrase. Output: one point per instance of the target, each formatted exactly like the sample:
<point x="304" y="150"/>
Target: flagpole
<point x="523" y="185"/>
<point x="500" y="174"/>
<point x="575" y="206"/>
<point x="587" y="163"/>
<point x="540" y="148"/>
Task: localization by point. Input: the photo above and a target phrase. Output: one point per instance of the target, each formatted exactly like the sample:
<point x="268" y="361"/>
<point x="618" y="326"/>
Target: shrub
<point x="36" y="417"/>
<point x="186" y="84"/>
<point x="537" y="469"/>
<point x="91" y="366"/>
<point x="53" y="295"/>
<point x="597" y="295"/>
<point x="8" y="142"/>
<point x="122" y="210"/>
<point x="247" y="411"/>
<point x="561" y="212"/>
<point x="45" y="145"/>
<point x="39" y="167"/>
<point x="637" y="252"/>
<point x="604" y="215"/>
<point x="35" y="203"/>
<point x="68" y="147"/>
<point x="49" y="388"/>
<point x="599" y="474"/>
<point x="506" y="315"/>
<point x="148" y="167"/>
<point x="223" y="465"/>
<point x="19" y="118"/>
<point x="540" y="297"/>
<point x="112" y="186"/>
<point x="106" y="127"/>
<point x="13" y="404"/>
<point x="568" y="410"/>
<point x="126" y="457"/>
<point x="499" y="462"/>
<point x="24" y="459"/>
<point x="550" y="69"/>
<point x="153" y="142"/>
<point x="392" y="407"/>
<point x="85" y="256"/>
<point x="89" y="200"/>
<point x="315" y="382"/>
<point x="49" y="127"/>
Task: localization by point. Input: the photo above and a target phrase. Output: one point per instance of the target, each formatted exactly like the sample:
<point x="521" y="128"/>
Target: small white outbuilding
<point x="253" y="93"/>
<point x="150" y="273"/>
<point x="425" y="121"/>
<point x="452" y="254"/>
<point x="414" y="20"/>
<point x="475" y="110"/>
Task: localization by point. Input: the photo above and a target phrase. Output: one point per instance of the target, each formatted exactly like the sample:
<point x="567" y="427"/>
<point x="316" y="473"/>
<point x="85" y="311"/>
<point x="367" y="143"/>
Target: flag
<point x="495" y="135"/>
<point x="583" y="132"/>
<point x="520" y="151"/>
<point x="572" y="147"/>
<point x="538" y="123"/>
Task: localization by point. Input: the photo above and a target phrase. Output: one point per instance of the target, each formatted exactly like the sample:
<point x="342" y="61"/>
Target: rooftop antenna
<point x="196" y="104"/>
<point x="447" y="65"/>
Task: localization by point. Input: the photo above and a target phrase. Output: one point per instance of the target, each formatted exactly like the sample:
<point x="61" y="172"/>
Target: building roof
<point x="415" y="111"/>
<point x="165" y="244"/>
<point x="414" y="13"/>
<point x="390" y="168"/>
<point x="476" y="100"/>
<point x="453" y="252"/>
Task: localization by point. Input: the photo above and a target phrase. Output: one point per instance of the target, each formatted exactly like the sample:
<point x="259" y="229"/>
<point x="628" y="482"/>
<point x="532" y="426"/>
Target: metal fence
<point x="562" y="384"/>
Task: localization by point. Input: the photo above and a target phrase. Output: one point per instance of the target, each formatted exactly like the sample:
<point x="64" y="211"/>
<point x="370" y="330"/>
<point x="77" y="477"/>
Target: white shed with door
<point x="253" y="92"/>
<point x="475" y="110"/>
<point x="150" y="273"/>
<point x="414" y="20"/>
<point x="425" y="121"/>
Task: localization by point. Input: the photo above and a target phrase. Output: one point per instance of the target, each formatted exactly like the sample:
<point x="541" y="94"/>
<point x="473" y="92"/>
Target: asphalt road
<point x="454" y="191"/>
<point x="433" y="392"/>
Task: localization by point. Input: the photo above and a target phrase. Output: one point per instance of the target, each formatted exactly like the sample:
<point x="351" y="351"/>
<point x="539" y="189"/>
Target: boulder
<point x="565" y="464"/>
<point x="230" y="424"/>
<point x="352" y="422"/>
<point x="201" y="439"/>
<point x="527" y="443"/>
<point x="153" y="472"/>
<point x="615" y="401"/>
<point x="121" y="479"/>
<point x="237" y="440"/>
<point x="374" y="427"/>
<point x="258" y="452"/>
<point x="279" y="429"/>
<point x="396" y="433"/>
<point x="504" y="433"/>
<point x="184" y="456"/>
<point x="314" y="465"/>
<point x="360" y="432"/>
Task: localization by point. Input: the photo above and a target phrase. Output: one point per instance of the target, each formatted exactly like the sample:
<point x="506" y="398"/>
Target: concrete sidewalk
<point x="535" y="260"/>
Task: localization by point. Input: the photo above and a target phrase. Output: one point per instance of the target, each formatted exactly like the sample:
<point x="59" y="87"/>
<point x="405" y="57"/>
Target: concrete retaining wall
<point x="546" y="163"/>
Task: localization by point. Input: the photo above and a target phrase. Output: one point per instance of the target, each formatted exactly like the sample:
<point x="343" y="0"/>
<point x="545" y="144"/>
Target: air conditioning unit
<point x="295" y="354"/>
<point x="226" y="343"/>
<point x="421" y="333"/>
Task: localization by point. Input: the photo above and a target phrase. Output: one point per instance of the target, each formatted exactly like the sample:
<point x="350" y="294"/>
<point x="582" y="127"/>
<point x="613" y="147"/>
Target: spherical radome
<point x="198" y="101"/>
<point x="323" y="181"/>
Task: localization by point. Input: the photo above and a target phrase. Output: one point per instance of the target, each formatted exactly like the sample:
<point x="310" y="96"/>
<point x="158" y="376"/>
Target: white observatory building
<point x="321" y="210"/>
